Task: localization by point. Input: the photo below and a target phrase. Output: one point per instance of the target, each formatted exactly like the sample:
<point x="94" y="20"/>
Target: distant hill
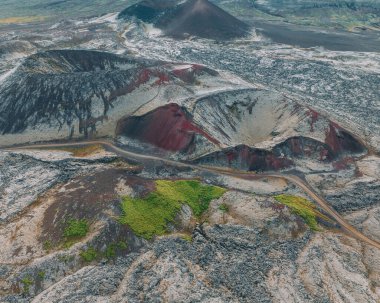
<point x="179" y="19"/>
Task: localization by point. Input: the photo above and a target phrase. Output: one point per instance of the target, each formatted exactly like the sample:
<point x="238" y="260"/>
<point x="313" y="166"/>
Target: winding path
<point x="345" y="225"/>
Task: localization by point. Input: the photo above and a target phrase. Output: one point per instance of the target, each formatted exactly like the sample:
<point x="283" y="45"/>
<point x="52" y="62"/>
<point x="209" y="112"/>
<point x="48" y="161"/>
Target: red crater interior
<point x="168" y="127"/>
<point x="246" y="158"/>
<point x="341" y="141"/>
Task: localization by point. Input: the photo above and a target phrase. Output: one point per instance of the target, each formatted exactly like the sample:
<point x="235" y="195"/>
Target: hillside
<point x="178" y="19"/>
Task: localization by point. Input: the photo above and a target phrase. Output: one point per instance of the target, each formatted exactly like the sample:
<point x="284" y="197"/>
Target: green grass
<point x="26" y="282"/>
<point x="48" y="245"/>
<point x="303" y="208"/>
<point x="224" y="208"/>
<point x="149" y="216"/>
<point x="112" y="248"/>
<point x="110" y="251"/>
<point x="41" y="274"/>
<point x="186" y="237"/>
<point x="66" y="258"/>
<point x="76" y="229"/>
<point x="89" y="255"/>
<point x="122" y="245"/>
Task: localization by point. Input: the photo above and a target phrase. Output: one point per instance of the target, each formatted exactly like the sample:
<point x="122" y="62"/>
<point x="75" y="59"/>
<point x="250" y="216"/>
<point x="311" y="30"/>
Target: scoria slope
<point x="178" y="19"/>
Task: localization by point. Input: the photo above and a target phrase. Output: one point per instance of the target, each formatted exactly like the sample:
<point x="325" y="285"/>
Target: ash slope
<point x="198" y="18"/>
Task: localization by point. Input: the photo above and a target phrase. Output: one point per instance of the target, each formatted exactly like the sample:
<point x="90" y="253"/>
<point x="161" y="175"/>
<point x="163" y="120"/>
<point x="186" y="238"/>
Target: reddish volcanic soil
<point x="87" y="197"/>
<point x="341" y="141"/>
<point x="246" y="158"/>
<point x="338" y="145"/>
<point x="162" y="76"/>
<point x="168" y="127"/>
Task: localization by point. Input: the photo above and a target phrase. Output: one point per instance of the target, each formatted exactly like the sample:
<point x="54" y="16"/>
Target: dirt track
<point x="350" y="230"/>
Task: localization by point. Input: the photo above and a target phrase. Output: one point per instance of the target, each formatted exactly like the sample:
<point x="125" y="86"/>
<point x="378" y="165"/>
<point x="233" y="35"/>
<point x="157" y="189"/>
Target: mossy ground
<point x="111" y="249"/>
<point x="303" y="208"/>
<point x="26" y="282"/>
<point x="89" y="255"/>
<point x="187" y="237"/>
<point x="74" y="231"/>
<point x="76" y="228"/>
<point x="223" y="208"/>
<point x="150" y="216"/>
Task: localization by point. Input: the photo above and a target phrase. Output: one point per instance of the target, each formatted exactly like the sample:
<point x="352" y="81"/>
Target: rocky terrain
<point x="179" y="151"/>
<point x="358" y="14"/>
<point x="244" y="244"/>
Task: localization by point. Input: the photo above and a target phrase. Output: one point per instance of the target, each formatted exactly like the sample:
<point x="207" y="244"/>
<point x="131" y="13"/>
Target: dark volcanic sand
<point x="303" y="36"/>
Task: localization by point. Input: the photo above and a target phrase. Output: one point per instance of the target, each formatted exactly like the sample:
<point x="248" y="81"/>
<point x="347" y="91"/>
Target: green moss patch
<point x="41" y="274"/>
<point x="150" y="216"/>
<point x="89" y="254"/>
<point x="74" y="231"/>
<point x="26" y="282"/>
<point x="224" y="208"/>
<point x="186" y="237"/>
<point x="113" y="248"/>
<point x="303" y="208"/>
<point x="76" y="228"/>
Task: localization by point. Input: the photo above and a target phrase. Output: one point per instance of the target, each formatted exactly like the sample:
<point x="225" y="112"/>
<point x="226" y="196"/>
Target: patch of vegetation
<point x="76" y="229"/>
<point x="149" y="216"/>
<point x="48" y="245"/>
<point x="89" y="255"/>
<point x="65" y="258"/>
<point x="186" y="237"/>
<point x="303" y="208"/>
<point x="112" y="249"/>
<point x="41" y="274"/>
<point x="68" y="243"/>
<point x="26" y="282"/>
<point x="122" y="245"/>
<point x="224" y="208"/>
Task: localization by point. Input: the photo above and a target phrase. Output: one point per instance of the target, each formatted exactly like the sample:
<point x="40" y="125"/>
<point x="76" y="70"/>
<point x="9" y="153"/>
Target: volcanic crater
<point x="244" y="129"/>
<point x="79" y="93"/>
